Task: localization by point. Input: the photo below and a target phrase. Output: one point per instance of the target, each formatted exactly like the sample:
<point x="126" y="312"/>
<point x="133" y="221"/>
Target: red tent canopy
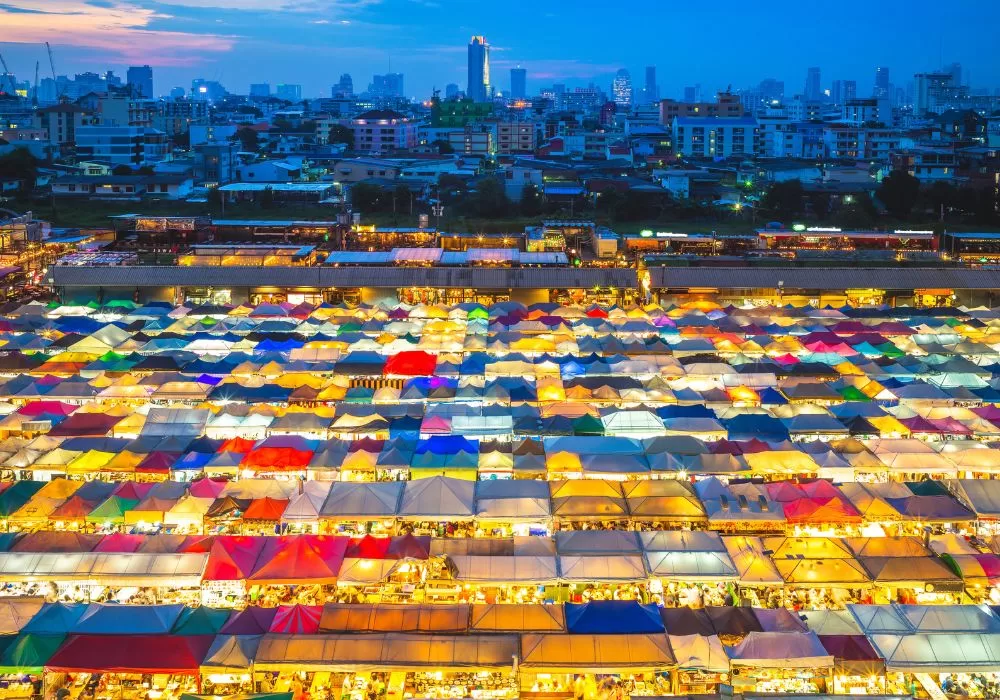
<point x="50" y="541"/>
<point x="297" y="619"/>
<point x="38" y="408"/>
<point x="821" y="510"/>
<point x="120" y="542"/>
<point x="411" y="363"/>
<point x="299" y="559"/>
<point x="237" y="444"/>
<point x="367" y="547"/>
<point x="157" y="463"/>
<point x="232" y="557"/>
<point x="131" y="654"/>
<point x="277" y="458"/>
<point x="75" y="508"/>
<point x="86" y="425"/>
<point x="266" y="509"/>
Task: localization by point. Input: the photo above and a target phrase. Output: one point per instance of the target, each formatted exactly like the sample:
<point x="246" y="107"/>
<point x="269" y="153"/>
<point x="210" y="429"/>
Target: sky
<point x="311" y="42"/>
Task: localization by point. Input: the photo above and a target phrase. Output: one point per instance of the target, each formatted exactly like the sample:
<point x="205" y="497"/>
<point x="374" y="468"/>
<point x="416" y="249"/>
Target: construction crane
<point x="10" y="76"/>
<point x="52" y="65"/>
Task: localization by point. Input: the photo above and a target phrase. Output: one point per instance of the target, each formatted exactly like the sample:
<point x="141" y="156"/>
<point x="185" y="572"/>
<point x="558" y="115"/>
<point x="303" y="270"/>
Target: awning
<point x="388" y="652"/>
<point x="131" y="654"/>
<point x="781" y="650"/>
<point x="595" y="653"/>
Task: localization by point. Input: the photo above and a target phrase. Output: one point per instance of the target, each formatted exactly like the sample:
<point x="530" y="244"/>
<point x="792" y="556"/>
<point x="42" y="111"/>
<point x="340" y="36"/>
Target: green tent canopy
<point x="112" y="510"/>
<point x="29" y="653"/>
<point x="200" y="620"/>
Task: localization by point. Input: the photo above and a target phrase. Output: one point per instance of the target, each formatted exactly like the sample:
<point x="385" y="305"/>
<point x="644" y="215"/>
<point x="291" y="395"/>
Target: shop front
<point x="389" y="666"/>
<point x="555" y="666"/>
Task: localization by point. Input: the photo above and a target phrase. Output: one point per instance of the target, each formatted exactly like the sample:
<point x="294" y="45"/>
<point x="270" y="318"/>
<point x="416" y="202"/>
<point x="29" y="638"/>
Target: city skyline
<point x="252" y="41"/>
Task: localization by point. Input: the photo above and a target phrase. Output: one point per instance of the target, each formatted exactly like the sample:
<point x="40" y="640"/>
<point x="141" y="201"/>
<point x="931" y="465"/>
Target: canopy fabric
<point x="781" y="650"/>
<point x="395" y="652"/>
<point x="595" y="653"/>
<point x="131" y="654"/>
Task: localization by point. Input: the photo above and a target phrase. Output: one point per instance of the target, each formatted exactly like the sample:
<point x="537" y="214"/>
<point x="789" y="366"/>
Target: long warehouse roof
<point x="302" y="276"/>
<point x="824" y="277"/>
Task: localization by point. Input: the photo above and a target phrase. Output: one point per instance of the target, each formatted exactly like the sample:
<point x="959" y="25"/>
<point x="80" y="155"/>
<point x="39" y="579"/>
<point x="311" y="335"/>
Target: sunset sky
<point x="312" y="41"/>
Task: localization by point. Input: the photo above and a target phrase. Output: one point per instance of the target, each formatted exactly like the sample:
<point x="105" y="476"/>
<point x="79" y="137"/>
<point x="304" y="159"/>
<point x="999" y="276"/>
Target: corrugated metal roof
<point x="290" y="276"/>
<point x="825" y="277"/>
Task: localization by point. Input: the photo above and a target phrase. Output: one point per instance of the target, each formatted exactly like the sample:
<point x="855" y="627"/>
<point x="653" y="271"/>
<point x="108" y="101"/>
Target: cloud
<point x="117" y="31"/>
<point x="319" y="21"/>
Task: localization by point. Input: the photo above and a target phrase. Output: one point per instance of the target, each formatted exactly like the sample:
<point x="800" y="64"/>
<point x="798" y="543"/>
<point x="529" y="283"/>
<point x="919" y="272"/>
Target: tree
<point x="819" y="202"/>
<point x="248" y="138"/>
<point x="898" y="193"/>
<point x="367" y="198"/>
<point x="442" y="146"/>
<point x="266" y="198"/>
<point x="531" y="201"/>
<point x="215" y="198"/>
<point x="785" y="198"/>
<point x="341" y="134"/>
<point x="490" y="199"/>
<point x="121" y="170"/>
<point x="20" y="165"/>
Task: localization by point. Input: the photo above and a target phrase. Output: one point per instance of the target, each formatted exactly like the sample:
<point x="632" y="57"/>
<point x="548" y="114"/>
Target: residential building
<point x="260" y="90"/>
<point x="862" y="111"/>
<point x="478" y="84"/>
<point x="269" y="171"/>
<point x="929" y="91"/>
<point x="927" y="164"/>
<point x="161" y="185"/>
<point x="621" y="88"/>
<point x="289" y="92"/>
<point x="140" y="82"/>
<point x="715" y="137"/>
<point x="726" y="105"/>
<point x="122" y="145"/>
<point x="124" y="110"/>
<point x="518" y="83"/>
<point x="61" y="122"/>
<point x="692" y="94"/>
<point x="382" y="131"/>
<point x="473" y="141"/>
<point x="175" y="116"/>
<point x="207" y="133"/>
<point x="516" y="138"/>
<point x="215" y="161"/>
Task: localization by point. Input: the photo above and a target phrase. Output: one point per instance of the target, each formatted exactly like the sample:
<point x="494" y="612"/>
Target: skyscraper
<point x="388" y="85"/>
<point x="813" y="91"/>
<point x="881" y="82"/>
<point x="344" y="87"/>
<point x="650" y="92"/>
<point x="621" y="88"/>
<point x="260" y="89"/>
<point x="518" y="83"/>
<point x="450" y="91"/>
<point x="478" y="87"/>
<point x="843" y="90"/>
<point x="140" y="81"/>
<point x="692" y="93"/>
<point x="955" y="69"/>
<point x="288" y="91"/>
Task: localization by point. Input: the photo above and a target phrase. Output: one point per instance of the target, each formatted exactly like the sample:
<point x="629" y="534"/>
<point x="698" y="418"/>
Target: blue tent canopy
<point x="613" y="617"/>
<point x="748" y="426"/>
